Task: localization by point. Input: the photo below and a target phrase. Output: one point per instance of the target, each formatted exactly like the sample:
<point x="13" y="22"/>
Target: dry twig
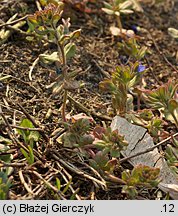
<point x="163" y="142"/>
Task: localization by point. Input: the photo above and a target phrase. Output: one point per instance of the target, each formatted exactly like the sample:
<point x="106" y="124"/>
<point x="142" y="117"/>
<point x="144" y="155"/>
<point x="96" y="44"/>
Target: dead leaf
<point x="74" y="118"/>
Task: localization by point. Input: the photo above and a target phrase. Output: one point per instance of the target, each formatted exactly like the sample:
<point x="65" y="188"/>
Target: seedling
<point x="132" y="50"/>
<point x="5" y="181"/>
<point x="171" y="155"/>
<point x="164" y="99"/>
<point x="29" y="138"/>
<point x="5" y="184"/>
<point x="117" y="8"/>
<point x="77" y="134"/>
<point x="122" y="81"/>
<point x="141" y="176"/>
<point x="4" y="155"/>
<point x="59" y="186"/>
<point x="45" y="23"/>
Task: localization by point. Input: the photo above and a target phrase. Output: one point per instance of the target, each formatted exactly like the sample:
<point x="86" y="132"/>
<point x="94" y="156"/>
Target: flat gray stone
<point x="139" y="140"/>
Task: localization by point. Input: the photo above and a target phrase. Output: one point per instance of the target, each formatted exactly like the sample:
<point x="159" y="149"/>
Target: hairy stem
<point x="64" y="105"/>
<point x="64" y="72"/>
<point x="119" y="23"/>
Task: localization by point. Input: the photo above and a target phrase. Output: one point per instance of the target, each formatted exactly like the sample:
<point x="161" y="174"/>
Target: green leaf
<point x="49" y="59"/>
<point x="126" y="11"/>
<point x="115" y="153"/>
<point x="56" y="19"/>
<point x="31" y="155"/>
<point x="175" y="142"/>
<point x="69" y="50"/>
<point x="34" y="135"/>
<point x="43" y="2"/>
<point x="142" y="52"/>
<point x="5" y="140"/>
<point x="3" y="156"/>
<point x="41" y="32"/>
<point x="5" y="184"/>
<point x="125" y="5"/>
<point x="26" y="123"/>
<point x="172" y="106"/>
<point x="173" y="32"/>
<point x="25" y="133"/>
<point x="58" y="184"/>
<point x="100" y="144"/>
<point x="126" y="175"/>
<point x="25" y="154"/>
<point x="67" y="186"/>
<point x="32" y="19"/>
<point x="69" y="139"/>
<point x="75" y="34"/>
<point x="107" y="5"/>
<point x="108" y="11"/>
<point x="107" y="85"/>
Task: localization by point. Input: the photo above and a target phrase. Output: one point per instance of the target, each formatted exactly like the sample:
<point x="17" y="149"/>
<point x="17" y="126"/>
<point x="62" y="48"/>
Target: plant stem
<point x="119" y="23"/>
<point x="175" y="119"/>
<point x="138" y="102"/>
<point x="64" y="105"/>
<point x="64" y="72"/>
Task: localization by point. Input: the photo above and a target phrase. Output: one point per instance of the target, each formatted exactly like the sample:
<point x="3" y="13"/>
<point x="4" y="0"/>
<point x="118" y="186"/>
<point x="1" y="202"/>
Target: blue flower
<point x="134" y="28"/>
<point x="141" y="68"/>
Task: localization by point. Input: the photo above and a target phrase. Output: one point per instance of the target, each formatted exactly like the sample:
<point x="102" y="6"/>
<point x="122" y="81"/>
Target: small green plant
<point x="4" y="155"/>
<point x="102" y="163"/>
<point x="109" y="145"/>
<point x="28" y="155"/>
<point x="77" y="134"/>
<point x="147" y="119"/>
<point x="5" y="184"/>
<point x="164" y="99"/>
<point x="132" y="49"/>
<point x="141" y="176"/>
<point x="117" y="8"/>
<point x="45" y="24"/>
<point x="101" y="145"/>
<point x="121" y="82"/>
<point x="29" y="137"/>
<point x="108" y="141"/>
<point x="171" y="155"/>
<point x="59" y="186"/>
